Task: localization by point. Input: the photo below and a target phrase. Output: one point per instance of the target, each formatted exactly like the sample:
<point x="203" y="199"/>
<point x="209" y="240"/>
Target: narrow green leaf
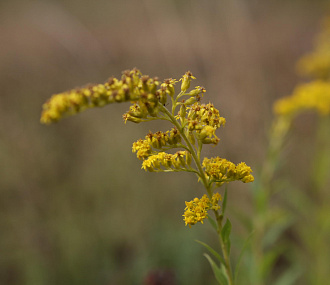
<point x="239" y="260"/>
<point x="225" y="233"/>
<point x="224" y="203"/>
<point x="269" y="260"/>
<point x="213" y="223"/>
<point x="244" y="219"/>
<point x="218" y="273"/>
<point x="224" y="271"/>
<point x="290" y="276"/>
<point x="277" y="229"/>
<point x="211" y="250"/>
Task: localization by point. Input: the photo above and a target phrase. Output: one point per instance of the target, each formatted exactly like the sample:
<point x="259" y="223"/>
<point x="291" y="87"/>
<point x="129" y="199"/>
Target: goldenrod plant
<point x="315" y="96"/>
<point x="269" y="222"/>
<point x="178" y="149"/>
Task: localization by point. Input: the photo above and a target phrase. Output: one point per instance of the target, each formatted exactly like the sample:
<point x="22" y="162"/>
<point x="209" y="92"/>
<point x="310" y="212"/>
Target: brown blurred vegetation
<point x="75" y="208"/>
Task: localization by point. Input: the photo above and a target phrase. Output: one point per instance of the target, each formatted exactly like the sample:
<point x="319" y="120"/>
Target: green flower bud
<point x="183" y="112"/>
<point x="162" y="95"/>
<point x="190" y="101"/>
<point x="169" y="85"/>
<point x="198" y="90"/>
<point x="186" y="81"/>
<point x="130" y="118"/>
<point x="180" y="155"/>
<point x="152" y="109"/>
<point x="191" y="138"/>
<point x="188" y="158"/>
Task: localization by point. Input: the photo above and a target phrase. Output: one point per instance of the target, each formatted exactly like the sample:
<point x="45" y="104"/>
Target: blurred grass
<point x="75" y="208"/>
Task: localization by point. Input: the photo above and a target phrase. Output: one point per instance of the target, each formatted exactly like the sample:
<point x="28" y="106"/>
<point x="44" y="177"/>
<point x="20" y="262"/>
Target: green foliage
<point x="219" y="272"/>
<point x="225" y="233"/>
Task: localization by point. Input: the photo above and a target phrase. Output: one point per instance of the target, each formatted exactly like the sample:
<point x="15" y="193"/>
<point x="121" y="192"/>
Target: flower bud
<point x="188" y="158"/>
<point x="180" y="155"/>
<point x="182" y="112"/>
<point x="128" y="117"/>
<point x="198" y="90"/>
<point x="186" y="81"/>
<point x="190" y="101"/>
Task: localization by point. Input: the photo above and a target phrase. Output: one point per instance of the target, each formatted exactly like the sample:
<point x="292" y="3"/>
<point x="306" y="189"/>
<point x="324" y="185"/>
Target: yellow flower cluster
<point x="194" y="122"/>
<point x="314" y="95"/>
<point x="317" y="63"/>
<point x="158" y="140"/>
<point x="142" y="149"/>
<point x="196" y="210"/>
<point x="204" y="120"/>
<point x="142" y="90"/>
<point x="220" y="170"/>
<point x="163" y="161"/>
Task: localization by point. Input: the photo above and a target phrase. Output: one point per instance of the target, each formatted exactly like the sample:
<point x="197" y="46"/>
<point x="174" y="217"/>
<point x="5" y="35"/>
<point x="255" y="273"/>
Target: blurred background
<point x="75" y="207"/>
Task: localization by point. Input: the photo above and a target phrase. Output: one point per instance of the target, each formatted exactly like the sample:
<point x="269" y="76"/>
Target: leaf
<point x="213" y="223"/>
<point x="224" y="203"/>
<point x="269" y="259"/>
<point x="210" y="249"/>
<point x="241" y="254"/>
<point x="289" y="277"/>
<point x="278" y="227"/>
<point x="218" y="273"/>
<point x="225" y="233"/>
<point x="244" y="219"/>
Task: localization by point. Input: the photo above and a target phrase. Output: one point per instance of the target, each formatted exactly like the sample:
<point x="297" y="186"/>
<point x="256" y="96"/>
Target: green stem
<point x="225" y="253"/>
<point x="190" y="147"/>
<point x="207" y="186"/>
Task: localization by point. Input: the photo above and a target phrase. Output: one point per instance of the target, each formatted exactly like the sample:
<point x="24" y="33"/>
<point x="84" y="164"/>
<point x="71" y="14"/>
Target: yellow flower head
<point x="317" y="63"/>
<point x="142" y="149"/>
<point x="204" y="119"/>
<point x="169" y="86"/>
<point x="220" y="170"/>
<point x="196" y="210"/>
<point x="132" y="87"/>
<point x="310" y="96"/>
<point x="163" y="161"/>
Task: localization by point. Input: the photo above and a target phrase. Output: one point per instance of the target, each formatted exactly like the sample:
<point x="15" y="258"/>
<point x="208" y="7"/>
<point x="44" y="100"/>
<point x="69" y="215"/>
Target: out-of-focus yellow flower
<point x="317" y="63"/>
<point x="196" y="210"/>
<point x="309" y="96"/>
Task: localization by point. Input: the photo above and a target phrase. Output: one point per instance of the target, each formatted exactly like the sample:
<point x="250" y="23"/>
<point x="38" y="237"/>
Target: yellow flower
<point x="142" y="149"/>
<point x="317" y="63"/>
<point x="159" y="140"/>
<point x="309" y="96"/>
<point x="133" y="87"/>
<point x="220" y="170"/>
<point x="163" y="161"/>
<point x="203" y="120"/>
<point x="196" y="210"/>
<point x="169" y="86"/>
